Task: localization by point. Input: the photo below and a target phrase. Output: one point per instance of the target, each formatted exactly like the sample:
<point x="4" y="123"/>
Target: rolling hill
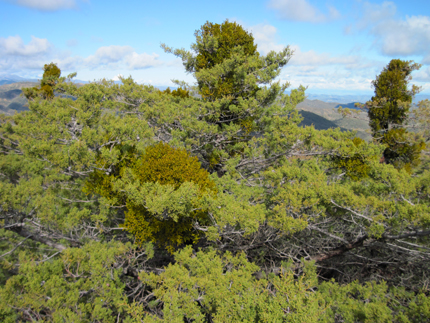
<point x="10" y="99"/>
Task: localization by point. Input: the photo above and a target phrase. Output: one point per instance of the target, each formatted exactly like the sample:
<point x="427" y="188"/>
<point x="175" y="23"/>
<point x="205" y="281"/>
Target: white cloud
<point x="312" y="58"/>
<point x="325" y="78"/>
<point x="108" y="55"/>
<point x="317" y="70"/>
<point x="404" y="37"/>
<point x="13" y="45"/>
<point x="114" y="56"/>
<point x="265" y="38"/>
<point x="117" y="78"/>
<point x="375" y="13"/>
<point x="17" y="57"/>
<point x="426" y="59"/>
<point x="394" y="36"/>
<point x="302" y="10"/>
<point x="46" y="5"/>
<point x="139" y="61"/>
<point x="423" y="75"/>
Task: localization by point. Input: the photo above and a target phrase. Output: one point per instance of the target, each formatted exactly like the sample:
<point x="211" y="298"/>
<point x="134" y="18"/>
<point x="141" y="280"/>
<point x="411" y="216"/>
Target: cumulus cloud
<point x="317" y="70"/>
<point x="13" y="45"/>
<point x="394" y="36"/>
<point x="423" y="75"/>
<point x="139" y="61"/>
<point x="302" y="10"/>
<point x="107" y="55"/>
<point x="114" y="56"/>
<point x="404" y="37"/>
<point x="312" y="58"/>
<point x="426" y="59"/>
<point x="325" y="78"/>
<point x="16" y="56"/>
<point x="46" y="5"/>
<point x="376" y="13"/>
<point x="265" y="38"/>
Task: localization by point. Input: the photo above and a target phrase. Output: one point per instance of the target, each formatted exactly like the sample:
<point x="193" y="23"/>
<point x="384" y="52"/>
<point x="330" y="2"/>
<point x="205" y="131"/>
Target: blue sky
<point x="339" y="46"/>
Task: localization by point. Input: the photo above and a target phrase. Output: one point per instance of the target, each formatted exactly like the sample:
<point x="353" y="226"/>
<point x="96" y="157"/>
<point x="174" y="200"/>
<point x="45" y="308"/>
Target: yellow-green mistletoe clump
<point x="179" y="92"/>
<point x="355" y="166"/>
<point x="166" y="165"/>
<point x="156" y="177"/>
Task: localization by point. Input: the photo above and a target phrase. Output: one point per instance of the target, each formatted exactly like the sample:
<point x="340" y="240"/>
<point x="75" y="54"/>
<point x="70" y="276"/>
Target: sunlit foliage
<point x="109" y="212"/>
<point x="50" y="78"/>
<point x="388" y="112"/>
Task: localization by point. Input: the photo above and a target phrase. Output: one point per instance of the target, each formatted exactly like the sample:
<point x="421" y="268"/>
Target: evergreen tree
<point x="50" y="78"/>
<point x="388" y="112"/>
<point x="229" y="70"/>
<point x="215" y="44"/>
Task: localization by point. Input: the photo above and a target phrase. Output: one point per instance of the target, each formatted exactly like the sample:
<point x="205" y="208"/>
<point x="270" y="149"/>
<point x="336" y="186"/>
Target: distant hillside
<point x="10" y="99"/>
<point x="320" y="123"/>
<point x="339" y="99"/>
<point x="10" y="95"/>
<point x="328" y="111"/>
<point x="2" y="82"/>
<point x="11" y="78"/>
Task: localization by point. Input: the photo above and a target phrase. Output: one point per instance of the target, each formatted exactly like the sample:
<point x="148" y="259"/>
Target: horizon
<point x="339" y="47"/>
<point x="341" y="97"/>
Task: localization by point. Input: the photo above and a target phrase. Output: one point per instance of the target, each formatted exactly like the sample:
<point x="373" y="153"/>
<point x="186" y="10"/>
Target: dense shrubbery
<point x="210" y="203"/>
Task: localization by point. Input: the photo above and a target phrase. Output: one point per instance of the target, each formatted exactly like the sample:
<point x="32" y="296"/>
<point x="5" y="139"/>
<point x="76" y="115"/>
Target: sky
<point x="339" y="46"/>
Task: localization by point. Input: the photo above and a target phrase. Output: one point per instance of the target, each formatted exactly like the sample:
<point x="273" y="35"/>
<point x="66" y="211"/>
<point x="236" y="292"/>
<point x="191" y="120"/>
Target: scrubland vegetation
<point x="210" y="203"/>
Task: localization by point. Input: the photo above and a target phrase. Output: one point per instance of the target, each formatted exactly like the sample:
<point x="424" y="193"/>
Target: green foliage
<point x="81" y="181"/>
<point x="81" y="285"/>
<point x="356" y="166"/>
<point x="373" y="302"/>
<point x="179" y="92"/>
<point x="101" y="182"/>
<point x="216" y="46"/>
<point x="402" y="152"/>
<point x="169" y="168"/>
<point x="228" y="70"/>
<point x="50" y="78"/>
<point x="207" y="287"/>
<point x="388" y="112"/>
